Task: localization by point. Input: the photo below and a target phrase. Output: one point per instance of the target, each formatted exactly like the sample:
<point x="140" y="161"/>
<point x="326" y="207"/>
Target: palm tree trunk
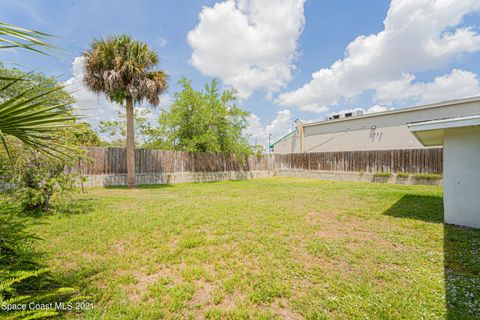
<point x="130" y="144"/>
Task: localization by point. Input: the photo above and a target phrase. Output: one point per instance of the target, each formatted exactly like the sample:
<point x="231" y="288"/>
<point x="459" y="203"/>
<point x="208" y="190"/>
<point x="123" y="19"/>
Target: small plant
<point x="402" y="175"/>
<point x="381" y="174"/>
<point x="40" y="183"/>
<point x="427" y="176"/>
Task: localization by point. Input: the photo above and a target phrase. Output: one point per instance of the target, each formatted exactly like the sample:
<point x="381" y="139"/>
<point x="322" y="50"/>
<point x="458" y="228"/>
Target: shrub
<point x="427" y="176"/>
<point x="42" y="182"/>
<point x="402" y="175"/>
<point x="382" y="174"/>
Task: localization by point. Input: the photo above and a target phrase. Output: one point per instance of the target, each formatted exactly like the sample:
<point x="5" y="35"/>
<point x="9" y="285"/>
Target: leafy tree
<point x="33" y="83"/>
<point x="258" y="149"/>
<point x="206" y="121"/>
<point x="84" y="135"/>
<point x="116" y="129"/>
<point x="124" y="70"/>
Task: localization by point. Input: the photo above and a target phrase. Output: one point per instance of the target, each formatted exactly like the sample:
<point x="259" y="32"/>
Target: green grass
<point x="265" y="249"/>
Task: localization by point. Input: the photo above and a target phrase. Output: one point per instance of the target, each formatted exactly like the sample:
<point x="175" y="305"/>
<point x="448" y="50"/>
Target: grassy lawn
<point x="266" y="249"/>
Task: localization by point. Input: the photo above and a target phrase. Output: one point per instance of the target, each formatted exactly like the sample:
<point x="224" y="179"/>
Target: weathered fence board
<point x="111" y="161"/>
<point x="409" y="160"/>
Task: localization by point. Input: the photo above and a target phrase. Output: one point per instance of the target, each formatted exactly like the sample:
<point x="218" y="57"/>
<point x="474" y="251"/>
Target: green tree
<point x="124" y="70"/>
<point x="83" y="135"/>
<point x="116" y="129"/>
<point x="206" y="121"/>
<point x="33" y="84"/>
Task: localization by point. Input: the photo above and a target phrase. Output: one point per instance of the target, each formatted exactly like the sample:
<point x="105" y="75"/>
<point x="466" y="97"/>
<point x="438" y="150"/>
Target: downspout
<point x="301" y="132"/>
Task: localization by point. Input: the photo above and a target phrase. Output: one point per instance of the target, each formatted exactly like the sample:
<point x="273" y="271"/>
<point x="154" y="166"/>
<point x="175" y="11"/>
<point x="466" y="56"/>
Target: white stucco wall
<point x="290" y="144"/>
<point x="380" y="138"/>
<point x="462" y="176"/>
<point x="382" y="131"/>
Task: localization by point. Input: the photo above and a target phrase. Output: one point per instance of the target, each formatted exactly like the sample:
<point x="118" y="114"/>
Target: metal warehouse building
<point x="376" y="131"/>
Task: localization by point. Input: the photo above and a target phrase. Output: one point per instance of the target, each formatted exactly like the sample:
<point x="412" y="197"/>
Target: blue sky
<point x="289" y="58"/>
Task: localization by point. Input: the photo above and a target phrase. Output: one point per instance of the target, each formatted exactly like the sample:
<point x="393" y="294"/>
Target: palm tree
<point x="124" y="70"/>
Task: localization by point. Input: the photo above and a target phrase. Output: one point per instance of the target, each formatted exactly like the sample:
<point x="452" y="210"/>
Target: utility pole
<point x="269" y="142"/>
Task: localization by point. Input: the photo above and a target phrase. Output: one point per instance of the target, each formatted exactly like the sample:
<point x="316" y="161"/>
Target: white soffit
<point x="431" y="133"/>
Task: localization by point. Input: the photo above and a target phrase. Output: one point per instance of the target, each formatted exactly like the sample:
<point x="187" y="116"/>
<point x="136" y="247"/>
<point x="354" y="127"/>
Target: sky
<point x="288" y="59"/>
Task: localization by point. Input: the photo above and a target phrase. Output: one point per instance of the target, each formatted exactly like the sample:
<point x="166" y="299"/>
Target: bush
<point x="427" y="176"/>
<point x="402" y="175"/>
<point x="382" y="174"/>
<point x="42" y="182"/>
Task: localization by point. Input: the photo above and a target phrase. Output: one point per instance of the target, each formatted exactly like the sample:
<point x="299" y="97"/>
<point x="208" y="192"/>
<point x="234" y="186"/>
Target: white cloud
<point x="372" y="109"/>
<point x="96" y="108"/>
<point x="418" y="35"/>
<point x="457" y="84"/>
<point x="284" y="123"/>
<point x="281" y="125"/>
<point x="162" y="42"/>
<point x="248" y="44"/>
<point x="377" y="108"/>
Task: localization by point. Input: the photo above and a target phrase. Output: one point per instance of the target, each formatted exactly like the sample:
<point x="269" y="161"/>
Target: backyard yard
<point x="265" y="249"/>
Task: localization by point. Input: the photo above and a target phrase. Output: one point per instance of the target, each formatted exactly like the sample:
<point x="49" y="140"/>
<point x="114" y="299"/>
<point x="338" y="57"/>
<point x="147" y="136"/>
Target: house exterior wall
<point x="462" y="176"/>
<point x="380" y="131"/>
<point x="290" y="144"/>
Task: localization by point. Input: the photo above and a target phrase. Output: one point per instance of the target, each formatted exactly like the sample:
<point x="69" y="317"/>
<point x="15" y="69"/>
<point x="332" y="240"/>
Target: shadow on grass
<point x="71" y="207"/>
<point x="461" y="250"/>
<point x="79" y="206"/>
<point x="425" y="208"/>
<point x="23" y="276"/>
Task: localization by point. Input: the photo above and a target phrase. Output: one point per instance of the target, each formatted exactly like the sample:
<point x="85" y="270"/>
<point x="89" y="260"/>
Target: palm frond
<point x="34" y="122"/>
<point x="17" y="37"/>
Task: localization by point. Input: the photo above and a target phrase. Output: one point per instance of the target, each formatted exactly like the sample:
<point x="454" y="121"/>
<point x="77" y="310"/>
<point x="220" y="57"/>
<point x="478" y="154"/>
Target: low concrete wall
<point x="356" y="176"/>
<point x="164" y="178"/>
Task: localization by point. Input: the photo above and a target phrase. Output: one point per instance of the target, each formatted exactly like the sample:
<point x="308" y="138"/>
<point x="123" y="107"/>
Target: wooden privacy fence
<point x="407" y="160"/>
<point x="112" y="161"/>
